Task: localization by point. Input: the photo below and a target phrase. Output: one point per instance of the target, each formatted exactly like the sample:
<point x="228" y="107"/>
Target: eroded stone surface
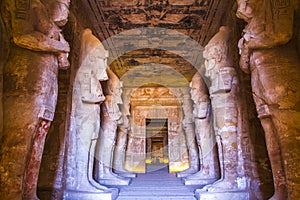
<point x="110" y="118"/>
<point x="268" y="35"/>
<point x="223" y="92"/>
<point x="85" y="124"/>
<point x="132" y="59"/>
<point x="37" y="50"/>
<point x="209" y="172"/>
<point x="188" y="126"/>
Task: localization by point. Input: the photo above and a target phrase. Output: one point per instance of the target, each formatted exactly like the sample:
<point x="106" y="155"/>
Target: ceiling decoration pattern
<point x="193" y="18"/>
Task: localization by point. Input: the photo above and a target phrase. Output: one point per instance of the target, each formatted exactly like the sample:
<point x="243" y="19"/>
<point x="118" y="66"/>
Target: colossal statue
<point x="268" y="52"/>
<point x="38" y="49"/>
<point x="188" y="126"/>
<point x="223" y="92"/>
<point x="209" y="172"/>
<point x="85" y="121"/>
<point x="110" y="118"/>
<point x="122" y="136"/>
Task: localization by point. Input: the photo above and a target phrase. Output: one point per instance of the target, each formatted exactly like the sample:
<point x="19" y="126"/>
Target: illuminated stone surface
<point x="153" y="56"/>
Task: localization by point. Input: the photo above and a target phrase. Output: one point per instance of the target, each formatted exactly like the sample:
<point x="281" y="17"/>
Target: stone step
<point x="156" y="198"/>
<point x="155" y="185"/>
<point x="157" y="193"/>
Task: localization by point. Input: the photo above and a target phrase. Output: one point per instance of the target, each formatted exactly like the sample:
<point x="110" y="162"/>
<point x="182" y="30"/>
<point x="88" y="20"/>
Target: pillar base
<point x="115" y="181"/>
<point x="125" y="174"/>
<point x="233" y="195"/>
<point x="109" y="194"/>
<point x="203" y="182"/>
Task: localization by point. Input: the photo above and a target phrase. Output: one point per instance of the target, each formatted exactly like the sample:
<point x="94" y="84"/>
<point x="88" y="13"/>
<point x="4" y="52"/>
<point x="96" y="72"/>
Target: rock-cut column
<point x="85" y="123"/>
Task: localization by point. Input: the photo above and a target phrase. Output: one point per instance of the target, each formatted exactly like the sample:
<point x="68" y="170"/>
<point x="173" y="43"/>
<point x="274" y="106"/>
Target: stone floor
<point x="156" y="184"/>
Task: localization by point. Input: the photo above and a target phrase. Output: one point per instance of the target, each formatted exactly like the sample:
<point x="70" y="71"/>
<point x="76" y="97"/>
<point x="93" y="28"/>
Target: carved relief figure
<point x="85" y="118"/>
<point x="110" y="118"/>
<point x="270" y="55"/>
<point x="189" y="131"/>
<point x="223" y="91"/>
<point x="209" y="172"/>
<point x="37" y="50"/>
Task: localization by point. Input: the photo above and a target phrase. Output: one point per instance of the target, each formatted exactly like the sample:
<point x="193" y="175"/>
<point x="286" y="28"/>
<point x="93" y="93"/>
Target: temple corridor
<point x="149" y="99"/>
<point x="157" y="184"/>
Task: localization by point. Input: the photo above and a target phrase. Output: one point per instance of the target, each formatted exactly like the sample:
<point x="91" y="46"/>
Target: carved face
<point x="61" y="12"/>
<point x="195" y="91"/>
<point x="210" y="54"/>
<point x="117" y="93"/>
<point x="245" y="9"/>
<point x="99" y="63"/>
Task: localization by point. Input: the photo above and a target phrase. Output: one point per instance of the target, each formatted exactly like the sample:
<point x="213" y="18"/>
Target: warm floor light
<point x="178" y="167"/>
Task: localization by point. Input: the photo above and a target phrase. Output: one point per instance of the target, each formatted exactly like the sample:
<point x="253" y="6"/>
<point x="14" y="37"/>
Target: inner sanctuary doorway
<point x="156" y="134"/>
<point x="157" y="148"/>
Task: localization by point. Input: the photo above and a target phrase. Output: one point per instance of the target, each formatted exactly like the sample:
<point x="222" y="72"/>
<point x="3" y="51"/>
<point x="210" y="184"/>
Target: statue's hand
<point x="65" y="44"/>
<point x="63" y="61"/>
<point x="245" y="55"/>
<point x="202" y="110"/>
<point x="93" y="98"/>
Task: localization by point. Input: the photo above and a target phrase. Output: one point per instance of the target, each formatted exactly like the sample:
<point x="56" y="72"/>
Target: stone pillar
<point x="37" y="51"/>
<point x="190" y="136"/>
<point x="110" y="118"/>
<point x="85" y="122"/>
<point x="209" y="172"/>
<point x="122" y="137"/>
<point x="223" y="92"/>
<point x="268" y="51"/>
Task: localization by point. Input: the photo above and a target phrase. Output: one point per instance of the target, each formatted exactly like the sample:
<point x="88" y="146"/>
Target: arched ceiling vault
<point x="155" y="35"/>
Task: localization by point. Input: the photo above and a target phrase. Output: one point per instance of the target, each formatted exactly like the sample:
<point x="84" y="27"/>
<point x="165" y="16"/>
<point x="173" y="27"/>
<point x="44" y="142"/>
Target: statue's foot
<point x="89" y="188"/>
<point x="200" y="175"/>
<point x="113" y="179"/>
<point x="31" y="197"/>
<point x="127" y="174"/>
<point x="96" y="185"/>
<point x="187" y="172"/>
<point x="124" y="173"/>
<point x="87" y="191"/>
<point x="222" y="185"/>
<point x="278" y="196"/>
<point x="199" y="178"/>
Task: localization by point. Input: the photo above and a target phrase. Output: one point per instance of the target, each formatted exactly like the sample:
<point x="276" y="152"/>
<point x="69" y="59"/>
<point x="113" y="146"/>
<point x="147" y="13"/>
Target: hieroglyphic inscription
<point x="22" y="8"/>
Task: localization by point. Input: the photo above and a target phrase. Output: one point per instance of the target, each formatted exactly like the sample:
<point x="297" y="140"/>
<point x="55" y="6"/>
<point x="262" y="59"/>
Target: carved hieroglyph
<point x="85" y="120"/>
<point x="209" y="172"/>
<point x="29" y="98"/>
<point x="268" y="52"/>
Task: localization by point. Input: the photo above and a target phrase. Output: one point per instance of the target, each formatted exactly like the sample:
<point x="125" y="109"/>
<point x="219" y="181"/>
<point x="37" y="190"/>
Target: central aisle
<point x="155" y="185"/>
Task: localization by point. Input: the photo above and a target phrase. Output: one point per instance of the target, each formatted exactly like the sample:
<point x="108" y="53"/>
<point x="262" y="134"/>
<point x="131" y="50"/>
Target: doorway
<point x="156" y="143"/>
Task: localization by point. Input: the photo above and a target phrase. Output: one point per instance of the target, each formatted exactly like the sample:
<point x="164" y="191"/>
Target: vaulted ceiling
<point x="155" y="42"/>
